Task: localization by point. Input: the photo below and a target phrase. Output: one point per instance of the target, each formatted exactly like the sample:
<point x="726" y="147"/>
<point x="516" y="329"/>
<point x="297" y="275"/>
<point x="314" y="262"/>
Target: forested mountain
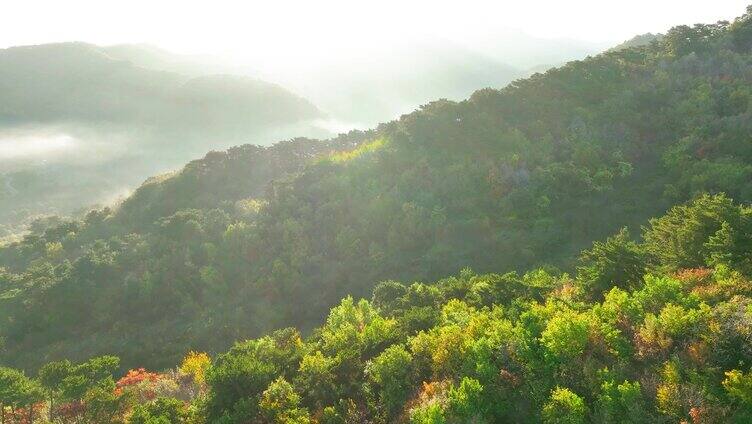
<point x="82" y="125"/>
<point x="507" y="180"/>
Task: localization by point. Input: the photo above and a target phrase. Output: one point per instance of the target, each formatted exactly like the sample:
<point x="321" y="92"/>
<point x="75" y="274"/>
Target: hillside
<point x="506" y="180"/>
<point x="226" y="179"/>
<point x="645" y="332"/>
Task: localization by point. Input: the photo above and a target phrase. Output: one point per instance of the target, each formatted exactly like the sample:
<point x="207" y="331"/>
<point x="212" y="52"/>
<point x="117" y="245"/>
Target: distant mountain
<point x="379" y="83"/>
<point x="81" y="83"/>
<point x="153" y="57"/>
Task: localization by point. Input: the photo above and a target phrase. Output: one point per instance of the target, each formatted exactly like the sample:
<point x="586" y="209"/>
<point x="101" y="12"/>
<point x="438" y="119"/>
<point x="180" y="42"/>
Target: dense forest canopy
<point x="515" y="184"/>
<point x="655" y="331"/>
<point x="644" y="332"/>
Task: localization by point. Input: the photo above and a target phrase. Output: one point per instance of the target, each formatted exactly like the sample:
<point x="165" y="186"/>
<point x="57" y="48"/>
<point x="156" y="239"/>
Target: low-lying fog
<point x="66" y="170"/>
<point x="30" y="146"/>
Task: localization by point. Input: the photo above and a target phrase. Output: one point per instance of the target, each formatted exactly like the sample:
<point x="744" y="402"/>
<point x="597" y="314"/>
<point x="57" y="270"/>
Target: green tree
<point x="160" y="411"/>
<point x="564" y="407"/>
<point x="566" y="336"/>
<point x="617" y="262"/>
<point x="51" y="377"/>
<point x="18" y="391"/>
<point x="741" y="31"/>
<point x="391" y="373"/>
<point x="388" y="296"/>
<point x="103" y="404"/>
<point x="466" y="402"/>
<point x="316" y="379"/>
<point x="622" y="403"/>
<point x="680" y="238"/>
<point x="236" y="381"/>
<point x="739" y="386"/>
<point x="281" y="404"/>
<point x="431" y="413"/>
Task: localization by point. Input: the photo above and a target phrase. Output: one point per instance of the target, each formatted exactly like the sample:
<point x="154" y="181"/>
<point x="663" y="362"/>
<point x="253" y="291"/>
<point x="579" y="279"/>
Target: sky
<point x="286" y="32"/>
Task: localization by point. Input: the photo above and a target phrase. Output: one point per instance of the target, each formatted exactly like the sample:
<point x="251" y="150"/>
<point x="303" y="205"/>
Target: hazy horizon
<point x="304" y="35"/>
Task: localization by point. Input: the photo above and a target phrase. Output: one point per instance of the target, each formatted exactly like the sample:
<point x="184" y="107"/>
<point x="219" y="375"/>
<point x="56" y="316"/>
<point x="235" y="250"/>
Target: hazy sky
<point x="284" y="30"/>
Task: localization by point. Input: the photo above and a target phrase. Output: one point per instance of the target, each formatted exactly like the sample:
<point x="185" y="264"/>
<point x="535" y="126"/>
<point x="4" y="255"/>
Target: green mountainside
<point x="524" y="178"/>
<point x="643" y="332"/>
<point x="632" y="338"/>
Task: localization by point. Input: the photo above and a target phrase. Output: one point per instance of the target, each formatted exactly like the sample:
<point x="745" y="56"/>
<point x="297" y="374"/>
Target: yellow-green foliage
<point x="739" y="385"/>
<point x="195" y="364"/>
<point x="250" y="207"/>
<point x="564" y="407"/>
<point x="365" y="148"/>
